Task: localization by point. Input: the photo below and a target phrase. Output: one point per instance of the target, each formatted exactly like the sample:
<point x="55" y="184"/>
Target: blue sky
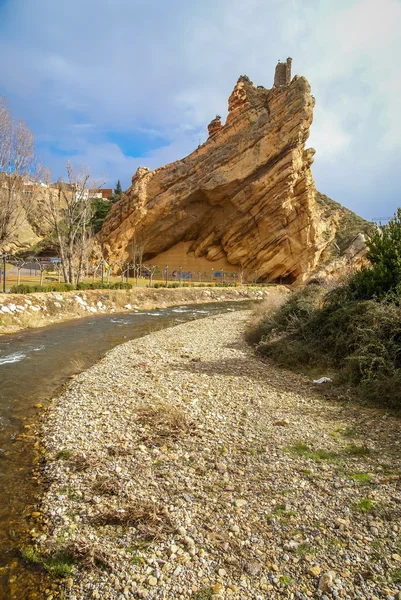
<point x="117" y="84"/>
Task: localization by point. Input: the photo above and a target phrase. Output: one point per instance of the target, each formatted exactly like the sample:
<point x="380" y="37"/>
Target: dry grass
<point x="261" y="312"/>
<point x="109" y="485"/>
<point x="149" y="519"/>
<point x="119" y="451"/>
<point x="83" y="462"/>
<point x="90" y="554"/>
<point x="162" y="421"/>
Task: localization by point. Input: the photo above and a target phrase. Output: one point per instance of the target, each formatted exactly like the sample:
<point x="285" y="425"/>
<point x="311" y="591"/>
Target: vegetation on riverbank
<point x="120" y="285"/>
<point x="353" y="328"/>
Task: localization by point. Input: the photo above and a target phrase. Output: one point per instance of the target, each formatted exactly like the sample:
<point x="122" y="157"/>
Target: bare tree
<point x="243" y="274"/>
<point x="151" y="270"/>
<point x="138" y="245"/>
<point x="123" y="267"/>
<point x="70" y="210"/>
<point x="59" y="267"/>
<point x="19" y="174"/>
<point x="19" y="263"/>
<point x="43" y="266"/>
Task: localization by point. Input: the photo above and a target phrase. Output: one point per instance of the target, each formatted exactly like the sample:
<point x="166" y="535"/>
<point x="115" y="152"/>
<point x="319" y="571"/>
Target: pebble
<point x="228" y="500"/>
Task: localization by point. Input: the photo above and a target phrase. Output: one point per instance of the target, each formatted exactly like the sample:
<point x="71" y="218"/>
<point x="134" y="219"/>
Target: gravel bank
<point x="182" y="466"/>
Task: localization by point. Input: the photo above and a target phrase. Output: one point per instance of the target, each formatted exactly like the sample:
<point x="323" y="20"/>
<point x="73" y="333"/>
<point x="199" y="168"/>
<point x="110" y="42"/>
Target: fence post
<point x="4" y="272"/>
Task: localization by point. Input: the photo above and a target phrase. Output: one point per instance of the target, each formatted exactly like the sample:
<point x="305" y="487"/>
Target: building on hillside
<point x="104" y="193"/>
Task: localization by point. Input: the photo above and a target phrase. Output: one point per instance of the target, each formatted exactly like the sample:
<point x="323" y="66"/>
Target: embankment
<point x="18" y="311"/>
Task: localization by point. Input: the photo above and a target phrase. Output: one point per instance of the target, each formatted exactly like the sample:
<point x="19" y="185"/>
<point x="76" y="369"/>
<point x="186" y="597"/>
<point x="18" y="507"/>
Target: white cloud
<point x="158" y="70"/>
<point x="328" y="135"/>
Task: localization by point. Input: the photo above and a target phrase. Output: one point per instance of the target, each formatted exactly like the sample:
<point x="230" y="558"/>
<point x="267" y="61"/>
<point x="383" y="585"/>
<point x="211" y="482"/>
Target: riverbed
<point x="34" y="365"/>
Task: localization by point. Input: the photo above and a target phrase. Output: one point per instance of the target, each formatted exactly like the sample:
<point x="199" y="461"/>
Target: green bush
<point x="360" y="339"/>
<point x="69" y="287"/>
<point x="30" y="289"/>
<point x="21" y="289"/>
<point x="224" y="284"/>
<point x="383" y="277"/>
<point x="354" y="328"/>
<point x="119" y="285"/>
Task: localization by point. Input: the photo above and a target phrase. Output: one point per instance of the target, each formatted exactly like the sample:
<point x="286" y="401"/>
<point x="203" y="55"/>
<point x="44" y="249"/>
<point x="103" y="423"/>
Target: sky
<point x="117" y="84"/>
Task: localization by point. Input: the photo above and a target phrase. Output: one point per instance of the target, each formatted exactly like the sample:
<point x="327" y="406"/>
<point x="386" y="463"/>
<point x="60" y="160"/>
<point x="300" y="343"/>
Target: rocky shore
<point x="182" y="466"/>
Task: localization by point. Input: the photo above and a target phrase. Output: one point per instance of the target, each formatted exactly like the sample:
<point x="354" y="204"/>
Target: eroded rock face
<point x="246" y="196"/>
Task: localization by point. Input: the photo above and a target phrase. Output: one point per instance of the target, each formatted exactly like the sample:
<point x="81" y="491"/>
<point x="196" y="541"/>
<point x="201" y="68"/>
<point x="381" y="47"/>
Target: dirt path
<point x="183" y="466"/>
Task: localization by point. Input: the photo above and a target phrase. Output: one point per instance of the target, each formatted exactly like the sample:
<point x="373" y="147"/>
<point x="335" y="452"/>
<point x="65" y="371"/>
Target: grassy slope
<point x="350" y="224"/>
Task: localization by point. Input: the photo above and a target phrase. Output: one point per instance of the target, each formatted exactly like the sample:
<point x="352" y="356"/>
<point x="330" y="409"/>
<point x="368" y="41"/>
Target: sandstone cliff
<point x="245" y="198"/>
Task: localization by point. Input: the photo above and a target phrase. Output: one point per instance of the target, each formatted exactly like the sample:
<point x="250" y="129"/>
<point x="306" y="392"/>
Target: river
<point x="34" y="365"/>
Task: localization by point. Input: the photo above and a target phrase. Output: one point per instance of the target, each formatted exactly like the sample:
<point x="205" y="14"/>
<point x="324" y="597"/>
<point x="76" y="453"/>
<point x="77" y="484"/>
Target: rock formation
<point x="246" y="197"/>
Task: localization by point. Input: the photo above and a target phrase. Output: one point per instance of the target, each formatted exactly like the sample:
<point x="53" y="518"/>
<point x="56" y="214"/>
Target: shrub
<point x="361" y="339"/>
<point x="20" y="289"/>
<point x="30" y="289"/>
<point x="384" y="254"/>
<point x="224" y="284"/>
<point x="289" y="316"/>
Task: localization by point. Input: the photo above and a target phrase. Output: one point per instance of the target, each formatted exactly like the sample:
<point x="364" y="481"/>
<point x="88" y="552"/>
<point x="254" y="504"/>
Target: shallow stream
<point x="34" y="365"/>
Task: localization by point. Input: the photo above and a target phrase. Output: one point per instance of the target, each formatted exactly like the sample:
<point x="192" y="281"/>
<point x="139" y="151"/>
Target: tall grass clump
<point x="354" y="329"/>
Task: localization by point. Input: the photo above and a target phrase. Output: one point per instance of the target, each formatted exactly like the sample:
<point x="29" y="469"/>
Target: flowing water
<point x="34" y="365"/>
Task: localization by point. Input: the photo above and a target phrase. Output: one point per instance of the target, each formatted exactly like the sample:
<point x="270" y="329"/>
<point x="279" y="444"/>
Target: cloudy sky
<point x="117" y="84"/>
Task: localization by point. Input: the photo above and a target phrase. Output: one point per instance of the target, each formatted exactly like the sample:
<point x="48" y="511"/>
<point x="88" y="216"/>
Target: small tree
<point x="243" y="274"/>
<point x="100" y="210"/>
<point x="19" y="263"/>
<point x="42" y="266"/>
<point x="150" y="270"/>
<point x="138" y="245"/>
<point x="117" y="193"/>
<point x="124" y="268"/>
<point x="70" y="212"/>
<point x="384" y="254"/>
